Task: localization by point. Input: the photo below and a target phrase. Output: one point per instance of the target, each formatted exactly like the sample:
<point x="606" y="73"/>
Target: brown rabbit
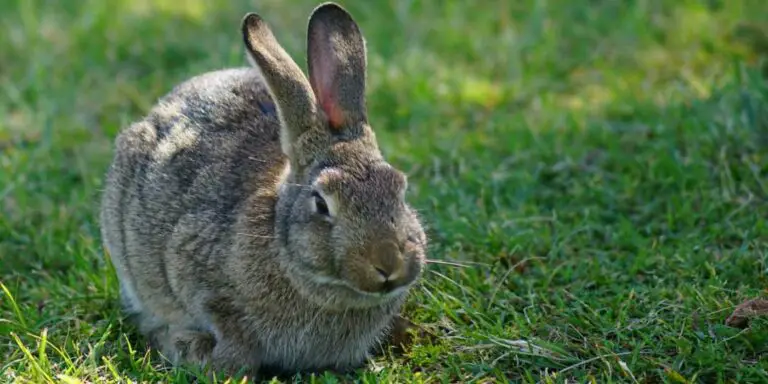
<point x="251" y="218"/>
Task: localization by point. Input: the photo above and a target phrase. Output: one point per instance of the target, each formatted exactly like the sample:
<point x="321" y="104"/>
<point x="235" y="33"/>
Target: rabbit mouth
<point x="346" y="294"/>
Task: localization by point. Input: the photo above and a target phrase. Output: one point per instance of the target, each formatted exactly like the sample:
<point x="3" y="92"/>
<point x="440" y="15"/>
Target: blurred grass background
<point x="600" y="166"/>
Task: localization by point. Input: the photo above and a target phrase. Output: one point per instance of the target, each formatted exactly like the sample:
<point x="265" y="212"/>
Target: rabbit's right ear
<point x="296" y="104"/>
<point x="337" y="62"/>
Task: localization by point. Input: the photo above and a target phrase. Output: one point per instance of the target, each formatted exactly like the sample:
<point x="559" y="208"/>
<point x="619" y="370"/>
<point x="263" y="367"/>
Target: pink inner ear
<point x="325" y="90"/>
<point x="323" y="78"/>
<point x="333" y="111"/>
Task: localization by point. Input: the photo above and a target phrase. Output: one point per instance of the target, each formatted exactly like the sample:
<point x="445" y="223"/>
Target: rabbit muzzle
<point x="385" y="269"/>
<point x="388" y="262"/>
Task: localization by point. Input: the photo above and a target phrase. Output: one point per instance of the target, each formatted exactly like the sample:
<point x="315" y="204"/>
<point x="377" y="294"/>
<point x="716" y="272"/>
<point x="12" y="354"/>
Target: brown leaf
<point x="745" y="311"/>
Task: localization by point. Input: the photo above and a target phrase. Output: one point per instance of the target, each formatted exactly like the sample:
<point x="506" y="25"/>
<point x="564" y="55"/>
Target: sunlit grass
<point x="592" y="174"/>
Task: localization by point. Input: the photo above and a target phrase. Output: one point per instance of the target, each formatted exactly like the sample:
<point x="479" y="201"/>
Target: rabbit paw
<point x="232" y="359"/>
<point x="193" y="347"/>
<point x="402" y="334"/>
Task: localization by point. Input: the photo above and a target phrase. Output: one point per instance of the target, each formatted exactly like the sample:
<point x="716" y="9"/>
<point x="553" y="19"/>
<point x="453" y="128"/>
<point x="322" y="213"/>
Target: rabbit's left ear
<point x="292" y="93"/>
<point x="336" y="60"/>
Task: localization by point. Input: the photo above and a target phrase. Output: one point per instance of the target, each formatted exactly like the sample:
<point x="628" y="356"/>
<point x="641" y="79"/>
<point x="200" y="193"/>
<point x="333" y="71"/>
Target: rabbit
<point x="252" y="221"/>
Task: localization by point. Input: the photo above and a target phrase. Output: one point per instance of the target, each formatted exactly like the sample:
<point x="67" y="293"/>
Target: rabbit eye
<point x="320" y="205"/>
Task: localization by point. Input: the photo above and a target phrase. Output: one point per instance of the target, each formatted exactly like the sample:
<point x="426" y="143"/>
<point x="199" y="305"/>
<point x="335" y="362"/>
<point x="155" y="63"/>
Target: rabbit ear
<point x="336" y="62"/>
<point x="295" y="101"/>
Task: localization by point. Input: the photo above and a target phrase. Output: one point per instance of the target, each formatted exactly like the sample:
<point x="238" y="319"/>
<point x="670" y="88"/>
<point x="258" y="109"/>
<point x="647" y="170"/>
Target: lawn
<point x="593" y="175"/>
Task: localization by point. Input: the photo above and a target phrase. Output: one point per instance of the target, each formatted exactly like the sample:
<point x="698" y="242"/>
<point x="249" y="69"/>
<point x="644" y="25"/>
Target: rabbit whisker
<point x="257" y="236"/>
<point x="451" y="263"/>
<point x="312" y="322"/>
<point x="298" y="185"/>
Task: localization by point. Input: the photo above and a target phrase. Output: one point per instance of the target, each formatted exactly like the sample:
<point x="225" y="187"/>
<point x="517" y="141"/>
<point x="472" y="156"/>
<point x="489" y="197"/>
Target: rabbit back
<point x="200" y="152"/>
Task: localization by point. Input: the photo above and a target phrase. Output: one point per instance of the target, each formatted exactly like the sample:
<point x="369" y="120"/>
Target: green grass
<point x="599" y="167"/>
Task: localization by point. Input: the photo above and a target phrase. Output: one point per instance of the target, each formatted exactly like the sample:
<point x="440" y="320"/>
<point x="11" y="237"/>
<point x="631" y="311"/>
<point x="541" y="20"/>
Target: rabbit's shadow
<point x="403" y="335"/>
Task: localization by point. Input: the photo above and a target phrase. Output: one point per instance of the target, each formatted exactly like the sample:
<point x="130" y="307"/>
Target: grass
<point x="600" y="168"/>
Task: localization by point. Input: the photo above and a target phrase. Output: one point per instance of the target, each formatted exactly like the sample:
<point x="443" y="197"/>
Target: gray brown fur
<point x="223" y="253"/>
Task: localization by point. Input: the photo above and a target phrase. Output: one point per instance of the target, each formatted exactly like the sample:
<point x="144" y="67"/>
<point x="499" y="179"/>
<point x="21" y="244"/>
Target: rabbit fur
<point x="251" y="219"/>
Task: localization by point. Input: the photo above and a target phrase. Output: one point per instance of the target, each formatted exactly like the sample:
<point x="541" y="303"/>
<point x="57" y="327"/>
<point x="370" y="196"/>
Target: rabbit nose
<point x="388" y="261"/>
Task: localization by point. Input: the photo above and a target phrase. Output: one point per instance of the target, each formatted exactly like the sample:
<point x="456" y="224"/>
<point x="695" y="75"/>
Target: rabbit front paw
<point x="233" y="359"/>
<point x="193" y="347"/>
